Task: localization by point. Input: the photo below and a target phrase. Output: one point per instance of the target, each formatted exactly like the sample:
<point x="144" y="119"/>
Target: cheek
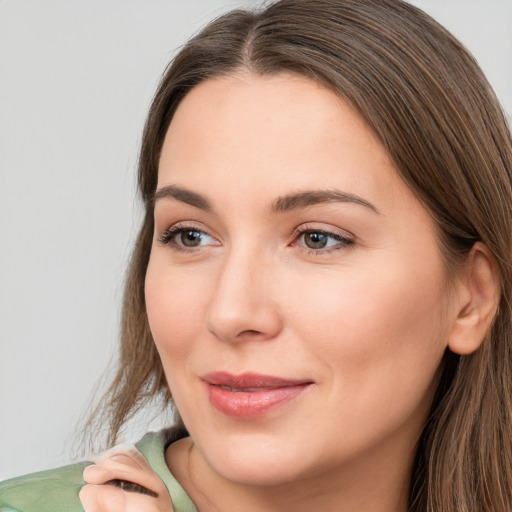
<point x="377" y="339"/>
<point x="348" y="305"/>
<point x="175" y="303"/>
<point x="379" y="329"/>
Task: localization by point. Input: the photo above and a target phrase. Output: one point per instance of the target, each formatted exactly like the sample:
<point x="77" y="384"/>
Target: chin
<point x="255" y="460"/>
<point x="257" y="471"/>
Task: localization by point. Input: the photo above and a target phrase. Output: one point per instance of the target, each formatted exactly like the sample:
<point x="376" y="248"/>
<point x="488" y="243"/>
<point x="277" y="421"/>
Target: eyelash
<point x="168" y="238"/>
<point x="344" y="242"/>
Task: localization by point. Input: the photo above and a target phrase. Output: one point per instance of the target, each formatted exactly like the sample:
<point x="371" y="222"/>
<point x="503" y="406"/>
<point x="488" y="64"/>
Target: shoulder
<point x="65" y="489"/>
<point x="55" y="490"/>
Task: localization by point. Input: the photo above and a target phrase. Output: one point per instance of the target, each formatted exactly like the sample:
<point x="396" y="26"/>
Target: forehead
<point x="261" y="134"/>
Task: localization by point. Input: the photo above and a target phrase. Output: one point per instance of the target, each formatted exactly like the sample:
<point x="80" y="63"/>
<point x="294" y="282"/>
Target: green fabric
<point x="152" y="446"/>
<point x="56" y="490"/>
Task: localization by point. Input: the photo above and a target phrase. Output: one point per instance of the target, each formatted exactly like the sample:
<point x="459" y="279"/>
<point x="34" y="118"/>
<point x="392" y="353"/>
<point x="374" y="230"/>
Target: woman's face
<point x="295" y="289"/>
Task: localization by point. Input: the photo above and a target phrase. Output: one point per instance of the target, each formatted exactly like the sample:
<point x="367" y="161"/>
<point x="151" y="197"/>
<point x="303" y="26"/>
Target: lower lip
<point x="252" y="404"/>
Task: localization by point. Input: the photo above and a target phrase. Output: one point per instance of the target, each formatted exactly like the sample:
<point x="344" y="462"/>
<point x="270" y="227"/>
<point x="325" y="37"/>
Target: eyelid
<point x="328" y="230"/>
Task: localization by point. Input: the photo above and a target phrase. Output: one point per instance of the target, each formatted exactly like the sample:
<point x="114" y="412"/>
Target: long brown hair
<point x="427" y="100"/>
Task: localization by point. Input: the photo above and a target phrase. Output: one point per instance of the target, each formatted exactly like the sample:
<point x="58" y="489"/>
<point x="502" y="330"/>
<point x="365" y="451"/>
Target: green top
<point x="57" y="490"/>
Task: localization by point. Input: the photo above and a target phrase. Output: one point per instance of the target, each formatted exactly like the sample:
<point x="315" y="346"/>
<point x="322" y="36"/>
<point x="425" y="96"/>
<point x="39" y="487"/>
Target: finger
<point x="128" y="455"/>
<point x="98" y="475"/>
<point x="97" y="498"/>
<point x="105" y="498"/>
<point x="123" y="466"/>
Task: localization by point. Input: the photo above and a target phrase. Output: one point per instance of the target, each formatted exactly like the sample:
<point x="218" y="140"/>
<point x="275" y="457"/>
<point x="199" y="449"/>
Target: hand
<point x="123" y="481"/>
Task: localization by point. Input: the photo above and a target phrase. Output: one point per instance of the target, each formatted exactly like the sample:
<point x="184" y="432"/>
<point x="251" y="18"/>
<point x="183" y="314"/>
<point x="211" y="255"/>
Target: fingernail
<point x="89" y="469"/>
<point x="125" y="459"/>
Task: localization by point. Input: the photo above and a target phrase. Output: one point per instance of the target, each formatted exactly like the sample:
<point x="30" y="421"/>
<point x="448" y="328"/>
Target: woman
<point x="322" y="280"/>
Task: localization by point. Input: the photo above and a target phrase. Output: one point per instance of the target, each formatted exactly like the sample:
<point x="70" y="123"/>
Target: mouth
<point x="251" y="395"/>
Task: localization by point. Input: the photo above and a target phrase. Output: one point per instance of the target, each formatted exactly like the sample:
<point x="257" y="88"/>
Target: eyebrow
<point x="184" y="195"/>
<point x="281" y="204"/>
<point x="313" y="197"/>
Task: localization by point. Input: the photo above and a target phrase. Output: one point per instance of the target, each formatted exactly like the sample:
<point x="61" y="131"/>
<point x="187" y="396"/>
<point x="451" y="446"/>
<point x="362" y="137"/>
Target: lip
<point x="251" y="395"/>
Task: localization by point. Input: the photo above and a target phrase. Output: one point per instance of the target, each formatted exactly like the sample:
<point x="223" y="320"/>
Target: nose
<point x="243" y="305"/>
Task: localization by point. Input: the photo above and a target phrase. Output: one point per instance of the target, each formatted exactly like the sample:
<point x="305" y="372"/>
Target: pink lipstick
<point x="251" y="395"/>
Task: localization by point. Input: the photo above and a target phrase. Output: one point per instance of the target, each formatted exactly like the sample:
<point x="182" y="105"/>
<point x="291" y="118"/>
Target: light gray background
<point x="76" y="78"/>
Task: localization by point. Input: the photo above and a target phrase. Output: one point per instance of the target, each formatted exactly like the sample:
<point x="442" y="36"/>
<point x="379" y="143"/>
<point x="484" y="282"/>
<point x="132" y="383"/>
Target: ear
<point x="479" y="293"/>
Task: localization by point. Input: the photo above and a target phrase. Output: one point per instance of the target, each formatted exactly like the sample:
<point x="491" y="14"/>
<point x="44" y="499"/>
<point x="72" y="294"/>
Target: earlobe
<point x="479" y="291"/>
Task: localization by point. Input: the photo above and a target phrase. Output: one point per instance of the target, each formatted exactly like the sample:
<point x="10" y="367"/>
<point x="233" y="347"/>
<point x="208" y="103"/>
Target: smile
<point x="251" y="395"/>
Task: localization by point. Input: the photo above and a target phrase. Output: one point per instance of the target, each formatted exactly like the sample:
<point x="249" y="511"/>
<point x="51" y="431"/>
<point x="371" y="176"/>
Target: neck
<point x="378" y="481"/>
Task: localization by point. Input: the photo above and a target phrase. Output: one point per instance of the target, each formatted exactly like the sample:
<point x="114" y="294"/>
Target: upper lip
<point x="251" y="380"/>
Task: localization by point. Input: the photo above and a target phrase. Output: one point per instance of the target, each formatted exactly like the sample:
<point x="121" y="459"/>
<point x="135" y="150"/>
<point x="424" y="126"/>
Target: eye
<point x="317" y="240"/>
<point x="320" y="241"/>
<point x="182" y="237"/>
<point x="189" y="238"/>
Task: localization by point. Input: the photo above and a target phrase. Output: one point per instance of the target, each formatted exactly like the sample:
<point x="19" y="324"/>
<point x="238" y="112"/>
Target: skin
<point x="127" y="465"/>
<point x="367" y="322"/>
